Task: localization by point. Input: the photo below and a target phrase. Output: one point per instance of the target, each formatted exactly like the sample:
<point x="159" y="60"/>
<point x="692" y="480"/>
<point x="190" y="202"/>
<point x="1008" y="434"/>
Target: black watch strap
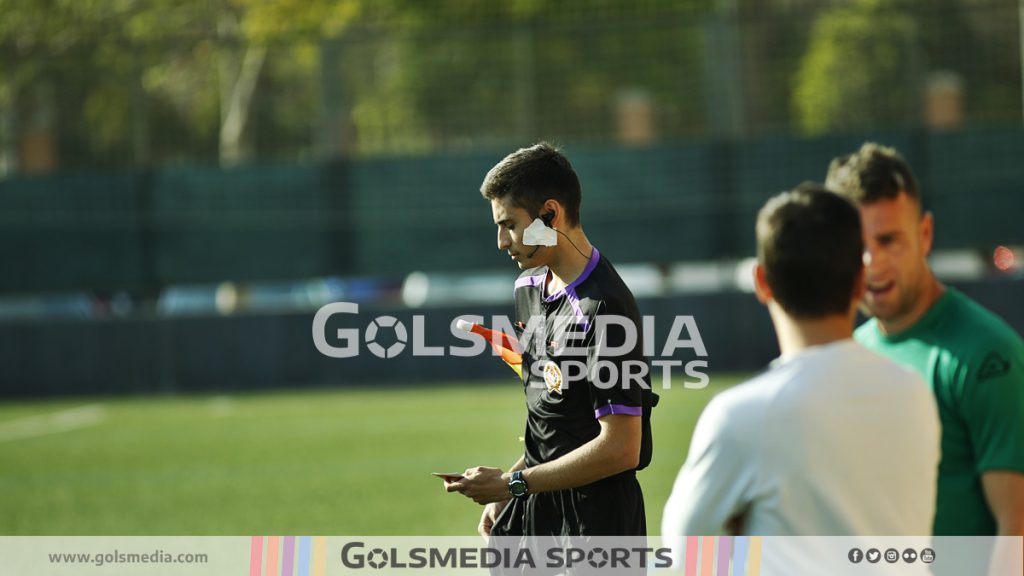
<point x="517" y="485"/>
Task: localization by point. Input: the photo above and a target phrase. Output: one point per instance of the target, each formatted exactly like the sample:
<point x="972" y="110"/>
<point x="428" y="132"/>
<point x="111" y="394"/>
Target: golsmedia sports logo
<point x="630" y="358"/>
<point x="355" y="556"/>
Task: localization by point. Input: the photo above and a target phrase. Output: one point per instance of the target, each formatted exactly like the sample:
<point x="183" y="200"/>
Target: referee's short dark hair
<point x="872" y="173"/>
<point x="531" y="176"/>
<point x="809" y="243"/>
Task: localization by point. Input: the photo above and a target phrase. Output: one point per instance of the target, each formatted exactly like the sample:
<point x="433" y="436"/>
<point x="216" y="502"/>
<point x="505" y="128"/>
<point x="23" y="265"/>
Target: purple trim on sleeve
<point x="595" y="257"/>
<point x="618" y="409"/>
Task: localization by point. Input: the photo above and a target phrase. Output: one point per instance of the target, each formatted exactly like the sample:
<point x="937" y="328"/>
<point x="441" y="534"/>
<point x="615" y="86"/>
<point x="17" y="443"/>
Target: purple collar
<point x="595" y="257"/>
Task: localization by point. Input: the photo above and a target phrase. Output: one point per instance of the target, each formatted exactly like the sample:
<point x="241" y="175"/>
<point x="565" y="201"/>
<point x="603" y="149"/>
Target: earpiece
<point x="547" y="218"/>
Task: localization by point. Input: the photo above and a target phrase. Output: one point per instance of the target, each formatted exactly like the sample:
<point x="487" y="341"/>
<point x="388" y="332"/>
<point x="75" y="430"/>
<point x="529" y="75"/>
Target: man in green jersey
<point x="973" y="360"/>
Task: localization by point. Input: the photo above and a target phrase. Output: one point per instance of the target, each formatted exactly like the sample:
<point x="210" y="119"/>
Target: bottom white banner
<point x="377" y="555"/>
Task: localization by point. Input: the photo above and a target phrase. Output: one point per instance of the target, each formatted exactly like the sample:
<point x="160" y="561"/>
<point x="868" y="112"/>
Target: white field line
<point x="53" y="423"/>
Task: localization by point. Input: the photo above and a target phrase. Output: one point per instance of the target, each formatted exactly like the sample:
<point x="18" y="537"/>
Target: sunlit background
<point x="183" y="183"/>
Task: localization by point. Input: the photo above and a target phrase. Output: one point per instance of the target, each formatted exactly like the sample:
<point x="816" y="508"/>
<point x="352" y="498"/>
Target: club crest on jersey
<point x="553" y="377"/>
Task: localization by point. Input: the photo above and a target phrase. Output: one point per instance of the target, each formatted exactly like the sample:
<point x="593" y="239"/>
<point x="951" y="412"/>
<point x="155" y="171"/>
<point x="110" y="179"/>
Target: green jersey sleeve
<point x="992" y="405"/>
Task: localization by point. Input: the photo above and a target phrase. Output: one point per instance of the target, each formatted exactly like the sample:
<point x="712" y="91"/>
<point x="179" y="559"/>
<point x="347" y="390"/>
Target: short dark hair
<point x="531" y="176"/>
<point x="873" y="173"/>
<point x="809" y="243"/>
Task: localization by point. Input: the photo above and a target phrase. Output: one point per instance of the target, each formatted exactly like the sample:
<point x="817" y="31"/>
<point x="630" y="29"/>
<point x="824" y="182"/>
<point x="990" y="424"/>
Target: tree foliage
<point x="859" y="69"/>
<point x="126" y="82"/>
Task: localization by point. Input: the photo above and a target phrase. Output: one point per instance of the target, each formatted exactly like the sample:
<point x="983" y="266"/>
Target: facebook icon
<point x="855" y="555"/>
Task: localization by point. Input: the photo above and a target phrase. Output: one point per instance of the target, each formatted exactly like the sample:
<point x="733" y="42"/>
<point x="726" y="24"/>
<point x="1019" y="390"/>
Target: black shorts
<point x="613" y="506"/>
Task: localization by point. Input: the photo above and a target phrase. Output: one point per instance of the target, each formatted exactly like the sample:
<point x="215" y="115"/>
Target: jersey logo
<point x="993" y="366"/>
<point x="553" y="377"/>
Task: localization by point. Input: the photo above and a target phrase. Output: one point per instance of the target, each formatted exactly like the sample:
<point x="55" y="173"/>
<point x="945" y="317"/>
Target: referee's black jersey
<point x="570" y="376"/>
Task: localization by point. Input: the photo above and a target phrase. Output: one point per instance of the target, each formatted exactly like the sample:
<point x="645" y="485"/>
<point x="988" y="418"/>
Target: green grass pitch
<point x="345" y="462"/>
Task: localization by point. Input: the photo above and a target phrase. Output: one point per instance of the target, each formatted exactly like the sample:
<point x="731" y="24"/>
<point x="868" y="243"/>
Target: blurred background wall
<point x="183" y="183"/>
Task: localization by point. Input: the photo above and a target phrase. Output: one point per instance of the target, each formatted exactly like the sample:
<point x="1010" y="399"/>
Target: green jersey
<point x="974" y="363"/>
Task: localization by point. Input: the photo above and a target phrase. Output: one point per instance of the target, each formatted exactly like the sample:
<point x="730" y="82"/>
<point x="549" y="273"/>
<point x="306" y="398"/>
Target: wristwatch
<point x="517" y="485"/>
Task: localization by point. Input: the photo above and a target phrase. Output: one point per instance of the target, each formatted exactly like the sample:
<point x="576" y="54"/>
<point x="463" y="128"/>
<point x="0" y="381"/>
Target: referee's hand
<point x="489" y="517"/>
<point x="483" y="485"/>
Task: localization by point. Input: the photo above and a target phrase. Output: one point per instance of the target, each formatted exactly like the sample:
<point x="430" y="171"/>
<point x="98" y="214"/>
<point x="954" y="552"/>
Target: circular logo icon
<point x="892" y="555"/>
<point x="601" y="559"/>
<point x="927" y="555"/>
<point x="553" y="377"/>
<point x="401" y="335"/>
<point x="377" y="558"/>
<point x="855" y="555"/>
<point x="873" y="555"/>
<point x="910" y="555"/>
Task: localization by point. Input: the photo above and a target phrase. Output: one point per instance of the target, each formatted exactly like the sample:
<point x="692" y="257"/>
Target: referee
<point x="587" y="426"/>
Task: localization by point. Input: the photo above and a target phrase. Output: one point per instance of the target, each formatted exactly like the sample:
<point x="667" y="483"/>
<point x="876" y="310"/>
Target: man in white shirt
<point x="832" y="440"/>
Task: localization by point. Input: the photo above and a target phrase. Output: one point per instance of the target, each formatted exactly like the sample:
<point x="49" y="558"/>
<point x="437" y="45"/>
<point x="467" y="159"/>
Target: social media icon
<point x="855" y="555"/>
<point x="873" y="556"/>
<point x="910" y="555"/>
<point x="892" y="555"/>
<point x="927" y="555"/>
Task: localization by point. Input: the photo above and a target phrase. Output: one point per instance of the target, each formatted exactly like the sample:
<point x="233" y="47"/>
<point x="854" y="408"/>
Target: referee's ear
<point x="761" y="288"/>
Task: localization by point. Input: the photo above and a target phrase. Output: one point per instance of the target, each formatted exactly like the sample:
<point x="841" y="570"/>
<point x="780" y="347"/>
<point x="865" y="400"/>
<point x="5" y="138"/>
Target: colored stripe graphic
<point x="255" y="555"/>
<point x="754" y="565"/>
<point x="272" y="555"/>
<point x="304" y="555"/>
<point x="288" y="561"/>
<point x="739" y="556"/>
<point x="692" y="543"/>
<point x="319" y="555"/>
<point x="724" y="553"/>
<point x="707" y="556"/>
<point x="744" y="552"/>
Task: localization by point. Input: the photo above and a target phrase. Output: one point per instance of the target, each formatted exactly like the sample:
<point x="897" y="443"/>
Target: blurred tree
<point x="514" y="72"/>
<point x="87" y="53"/>
<point x="150" y="80"/>
<point x="979" y="41"/>
<point x="860" y="71"/>
<point x="137" y="82"/>
<point x="295" y="29"/>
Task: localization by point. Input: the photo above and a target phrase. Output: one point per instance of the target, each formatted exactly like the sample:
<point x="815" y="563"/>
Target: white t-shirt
<point x="832" y="441"/>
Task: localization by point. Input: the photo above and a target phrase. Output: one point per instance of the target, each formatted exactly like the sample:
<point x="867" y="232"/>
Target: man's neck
<point x="567" y="263"/>
<point x="931" y="293"/>
<point x="798" y="334"/>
